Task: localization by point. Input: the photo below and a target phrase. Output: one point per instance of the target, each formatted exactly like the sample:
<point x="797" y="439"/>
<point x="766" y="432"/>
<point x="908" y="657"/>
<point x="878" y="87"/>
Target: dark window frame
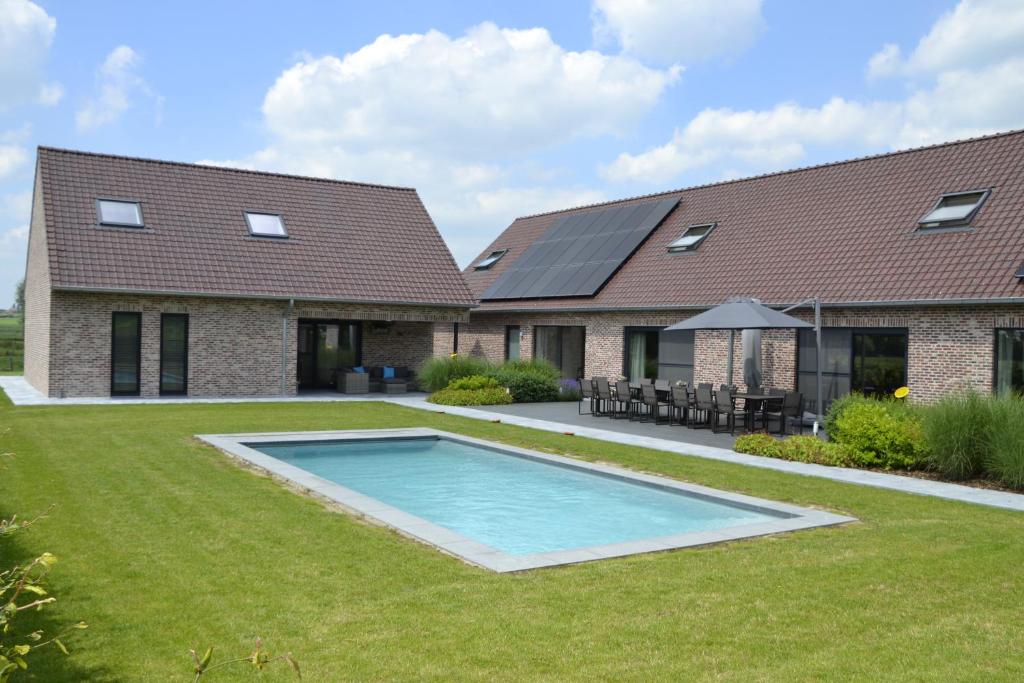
<point x="627" y="332"/>
<point x="263" y="235"/>
<point x="561" y="342"/>
<point x="508" y="332"/>
<point x="928" y="226"/>
<point x="138" y="352"/>
<point x="486" y="264"/>
<point x="455" y="337"/>
<point x="116" y="224"/>
<point x="995" y="355"/>
<point x="889" y="331"/>
<point x="691" y="247"/>
<point x="184" y="389"/>
<point x="357" y="325"/>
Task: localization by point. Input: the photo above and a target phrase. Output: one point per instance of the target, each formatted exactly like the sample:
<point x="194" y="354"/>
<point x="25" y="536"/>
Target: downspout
<point x="284" y="346"/>
<point x="817" y="362"/>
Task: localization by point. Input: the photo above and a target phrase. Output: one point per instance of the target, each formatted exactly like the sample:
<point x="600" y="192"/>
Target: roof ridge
<point x="230" y="169"/>
<point x="770" y="174"/>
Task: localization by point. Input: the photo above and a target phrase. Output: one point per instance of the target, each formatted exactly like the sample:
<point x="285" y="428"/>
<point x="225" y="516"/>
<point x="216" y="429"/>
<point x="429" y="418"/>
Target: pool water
<point x="514" y="504"/>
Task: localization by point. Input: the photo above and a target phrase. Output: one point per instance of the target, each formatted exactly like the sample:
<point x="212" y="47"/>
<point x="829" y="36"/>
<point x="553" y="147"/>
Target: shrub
<point x="474" y="383"/>
<point x="798" y="448"/>
<point x="758" y="444"/>
<point x="1005" y="459"/>
<point x="437" y="373"/>
<point x="529" y="381"/>
<point x="957" y="431"/>
<point x="475" y="390"/>
<point x="841" y="405"/>
<point x="878" y="434"/>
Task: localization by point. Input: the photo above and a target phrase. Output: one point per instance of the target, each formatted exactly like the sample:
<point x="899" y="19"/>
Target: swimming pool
<point x="508" y="508"/>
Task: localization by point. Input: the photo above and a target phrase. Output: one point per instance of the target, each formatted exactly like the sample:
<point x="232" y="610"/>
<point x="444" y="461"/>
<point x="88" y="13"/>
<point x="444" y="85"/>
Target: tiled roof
<point x="347" y="241"/>
<point x="845" y="232"/>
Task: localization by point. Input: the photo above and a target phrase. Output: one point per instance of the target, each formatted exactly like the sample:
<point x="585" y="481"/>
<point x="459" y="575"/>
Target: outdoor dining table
<point x="751" y="399"/>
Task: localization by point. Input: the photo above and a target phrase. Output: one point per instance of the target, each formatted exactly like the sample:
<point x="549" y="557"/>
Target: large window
<point x="125" y="354"/>
<point x="513" y="336"/>
<point x="562" y="346"/>
<point x="325" y="348"/>
<point x="1009" y="361"/>
<point x="173" y="353"/>
<point x="641" y="353"/>
<point x="653" y="353"/>
<point x="869" y="361"/>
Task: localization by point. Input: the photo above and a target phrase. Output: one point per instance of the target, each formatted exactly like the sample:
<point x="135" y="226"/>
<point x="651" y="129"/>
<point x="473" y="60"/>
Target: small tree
<point x="19" y="299"/>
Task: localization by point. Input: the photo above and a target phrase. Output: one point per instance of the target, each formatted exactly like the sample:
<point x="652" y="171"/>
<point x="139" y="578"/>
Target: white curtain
<point x="637" y="352"/>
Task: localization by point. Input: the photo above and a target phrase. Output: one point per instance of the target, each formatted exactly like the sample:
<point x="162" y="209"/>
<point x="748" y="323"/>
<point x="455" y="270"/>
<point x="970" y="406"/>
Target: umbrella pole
<point x="728" y="367"/>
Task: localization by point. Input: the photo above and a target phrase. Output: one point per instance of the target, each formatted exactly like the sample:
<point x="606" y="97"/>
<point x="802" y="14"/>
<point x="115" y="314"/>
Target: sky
<point x="494" y="110"/>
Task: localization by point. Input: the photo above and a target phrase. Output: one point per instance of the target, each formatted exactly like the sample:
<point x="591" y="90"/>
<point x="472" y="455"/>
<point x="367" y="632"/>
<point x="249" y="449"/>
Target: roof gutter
<point x="904" y="303"/>
<point x="266" y="297"/>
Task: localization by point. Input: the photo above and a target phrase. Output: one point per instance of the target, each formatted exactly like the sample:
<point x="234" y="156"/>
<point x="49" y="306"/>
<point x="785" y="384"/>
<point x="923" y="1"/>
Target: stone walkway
<point x="21" y="393"/>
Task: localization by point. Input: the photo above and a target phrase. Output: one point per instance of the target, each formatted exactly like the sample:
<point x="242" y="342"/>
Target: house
<point x="917" y="257"/>
<point x="148" y="278"/>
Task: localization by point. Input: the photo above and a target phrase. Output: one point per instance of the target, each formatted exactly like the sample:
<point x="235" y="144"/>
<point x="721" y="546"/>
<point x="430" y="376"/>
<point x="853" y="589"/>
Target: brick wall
<point x="949" y="347"/>
<point x="235" y="345"/>
<point x="37" y="300"/>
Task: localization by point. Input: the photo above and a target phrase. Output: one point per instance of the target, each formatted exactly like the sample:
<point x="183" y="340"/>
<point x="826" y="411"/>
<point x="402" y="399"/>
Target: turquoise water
<point x="514" y="504"/>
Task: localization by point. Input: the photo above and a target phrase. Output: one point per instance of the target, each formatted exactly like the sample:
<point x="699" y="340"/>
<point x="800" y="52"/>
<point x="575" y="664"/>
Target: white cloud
<point x="978" y="96"/>
<point x="885" y="62"/>
<point x="117" y="83"/>
<point x="678" y="31"/>
<point x="12" y="156"/>
<point x="15" y="237"/>
<point x="455" y="117"/>
<point x="484" y="94"/>
<point x="974" y="34"/>
<point x="26" y="33"/>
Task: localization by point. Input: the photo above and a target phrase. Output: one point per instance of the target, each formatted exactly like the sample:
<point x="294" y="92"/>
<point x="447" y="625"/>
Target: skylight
<point x="493" y="258"/>
<point x="119" y="212"/>
<point x="692" y="237"/>
<point x="954" y="209"/>
<point x="265" y="224"/>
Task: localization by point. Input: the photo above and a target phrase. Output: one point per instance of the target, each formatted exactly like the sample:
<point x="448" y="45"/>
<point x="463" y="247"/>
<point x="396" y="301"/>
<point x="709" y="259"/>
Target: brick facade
<point x="948" y="347"/>
<point x="37" y="300"/>
<point x="235" y="345"/>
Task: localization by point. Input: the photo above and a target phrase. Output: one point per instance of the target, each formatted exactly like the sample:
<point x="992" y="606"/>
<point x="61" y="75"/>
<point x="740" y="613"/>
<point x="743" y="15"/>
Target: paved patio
<point x="568" y="414"/>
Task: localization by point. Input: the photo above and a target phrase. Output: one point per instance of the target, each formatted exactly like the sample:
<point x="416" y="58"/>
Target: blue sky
<point x="498" y="109"/>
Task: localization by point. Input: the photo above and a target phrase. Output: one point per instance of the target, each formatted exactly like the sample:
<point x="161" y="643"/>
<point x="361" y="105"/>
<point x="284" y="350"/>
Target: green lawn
<point x="165" y="544"/>
<point x="11" y="345"/>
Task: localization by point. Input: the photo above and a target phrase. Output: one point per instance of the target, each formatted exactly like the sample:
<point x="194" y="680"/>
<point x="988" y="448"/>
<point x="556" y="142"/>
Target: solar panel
<point x="580" y="252"/>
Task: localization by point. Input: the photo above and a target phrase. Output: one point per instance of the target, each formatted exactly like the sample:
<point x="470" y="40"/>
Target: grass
<point x="11" y="345"/>
<point x="165" y="544"/>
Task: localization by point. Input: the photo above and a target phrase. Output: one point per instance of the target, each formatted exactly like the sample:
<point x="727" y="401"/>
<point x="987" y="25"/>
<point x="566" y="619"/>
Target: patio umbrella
<point x="740" y="314"/>
<point x="749" y="314"/>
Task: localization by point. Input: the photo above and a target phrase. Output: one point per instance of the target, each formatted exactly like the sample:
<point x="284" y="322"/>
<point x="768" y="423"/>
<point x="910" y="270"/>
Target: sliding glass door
<point x="173" y="353"/>
<point x="641" y="354"/>
<point x="562" y="346"/>
<point x="125" y="354"/>
<point x="868" y="361"/>
<point x="1009" y="377"/>
<point x="325" y="348"/>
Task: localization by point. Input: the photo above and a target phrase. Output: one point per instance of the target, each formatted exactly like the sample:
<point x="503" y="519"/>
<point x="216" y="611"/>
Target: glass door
<point x="125" y="354"/>
<point x="173" y="353"/>
<point x="325" y="348"/>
